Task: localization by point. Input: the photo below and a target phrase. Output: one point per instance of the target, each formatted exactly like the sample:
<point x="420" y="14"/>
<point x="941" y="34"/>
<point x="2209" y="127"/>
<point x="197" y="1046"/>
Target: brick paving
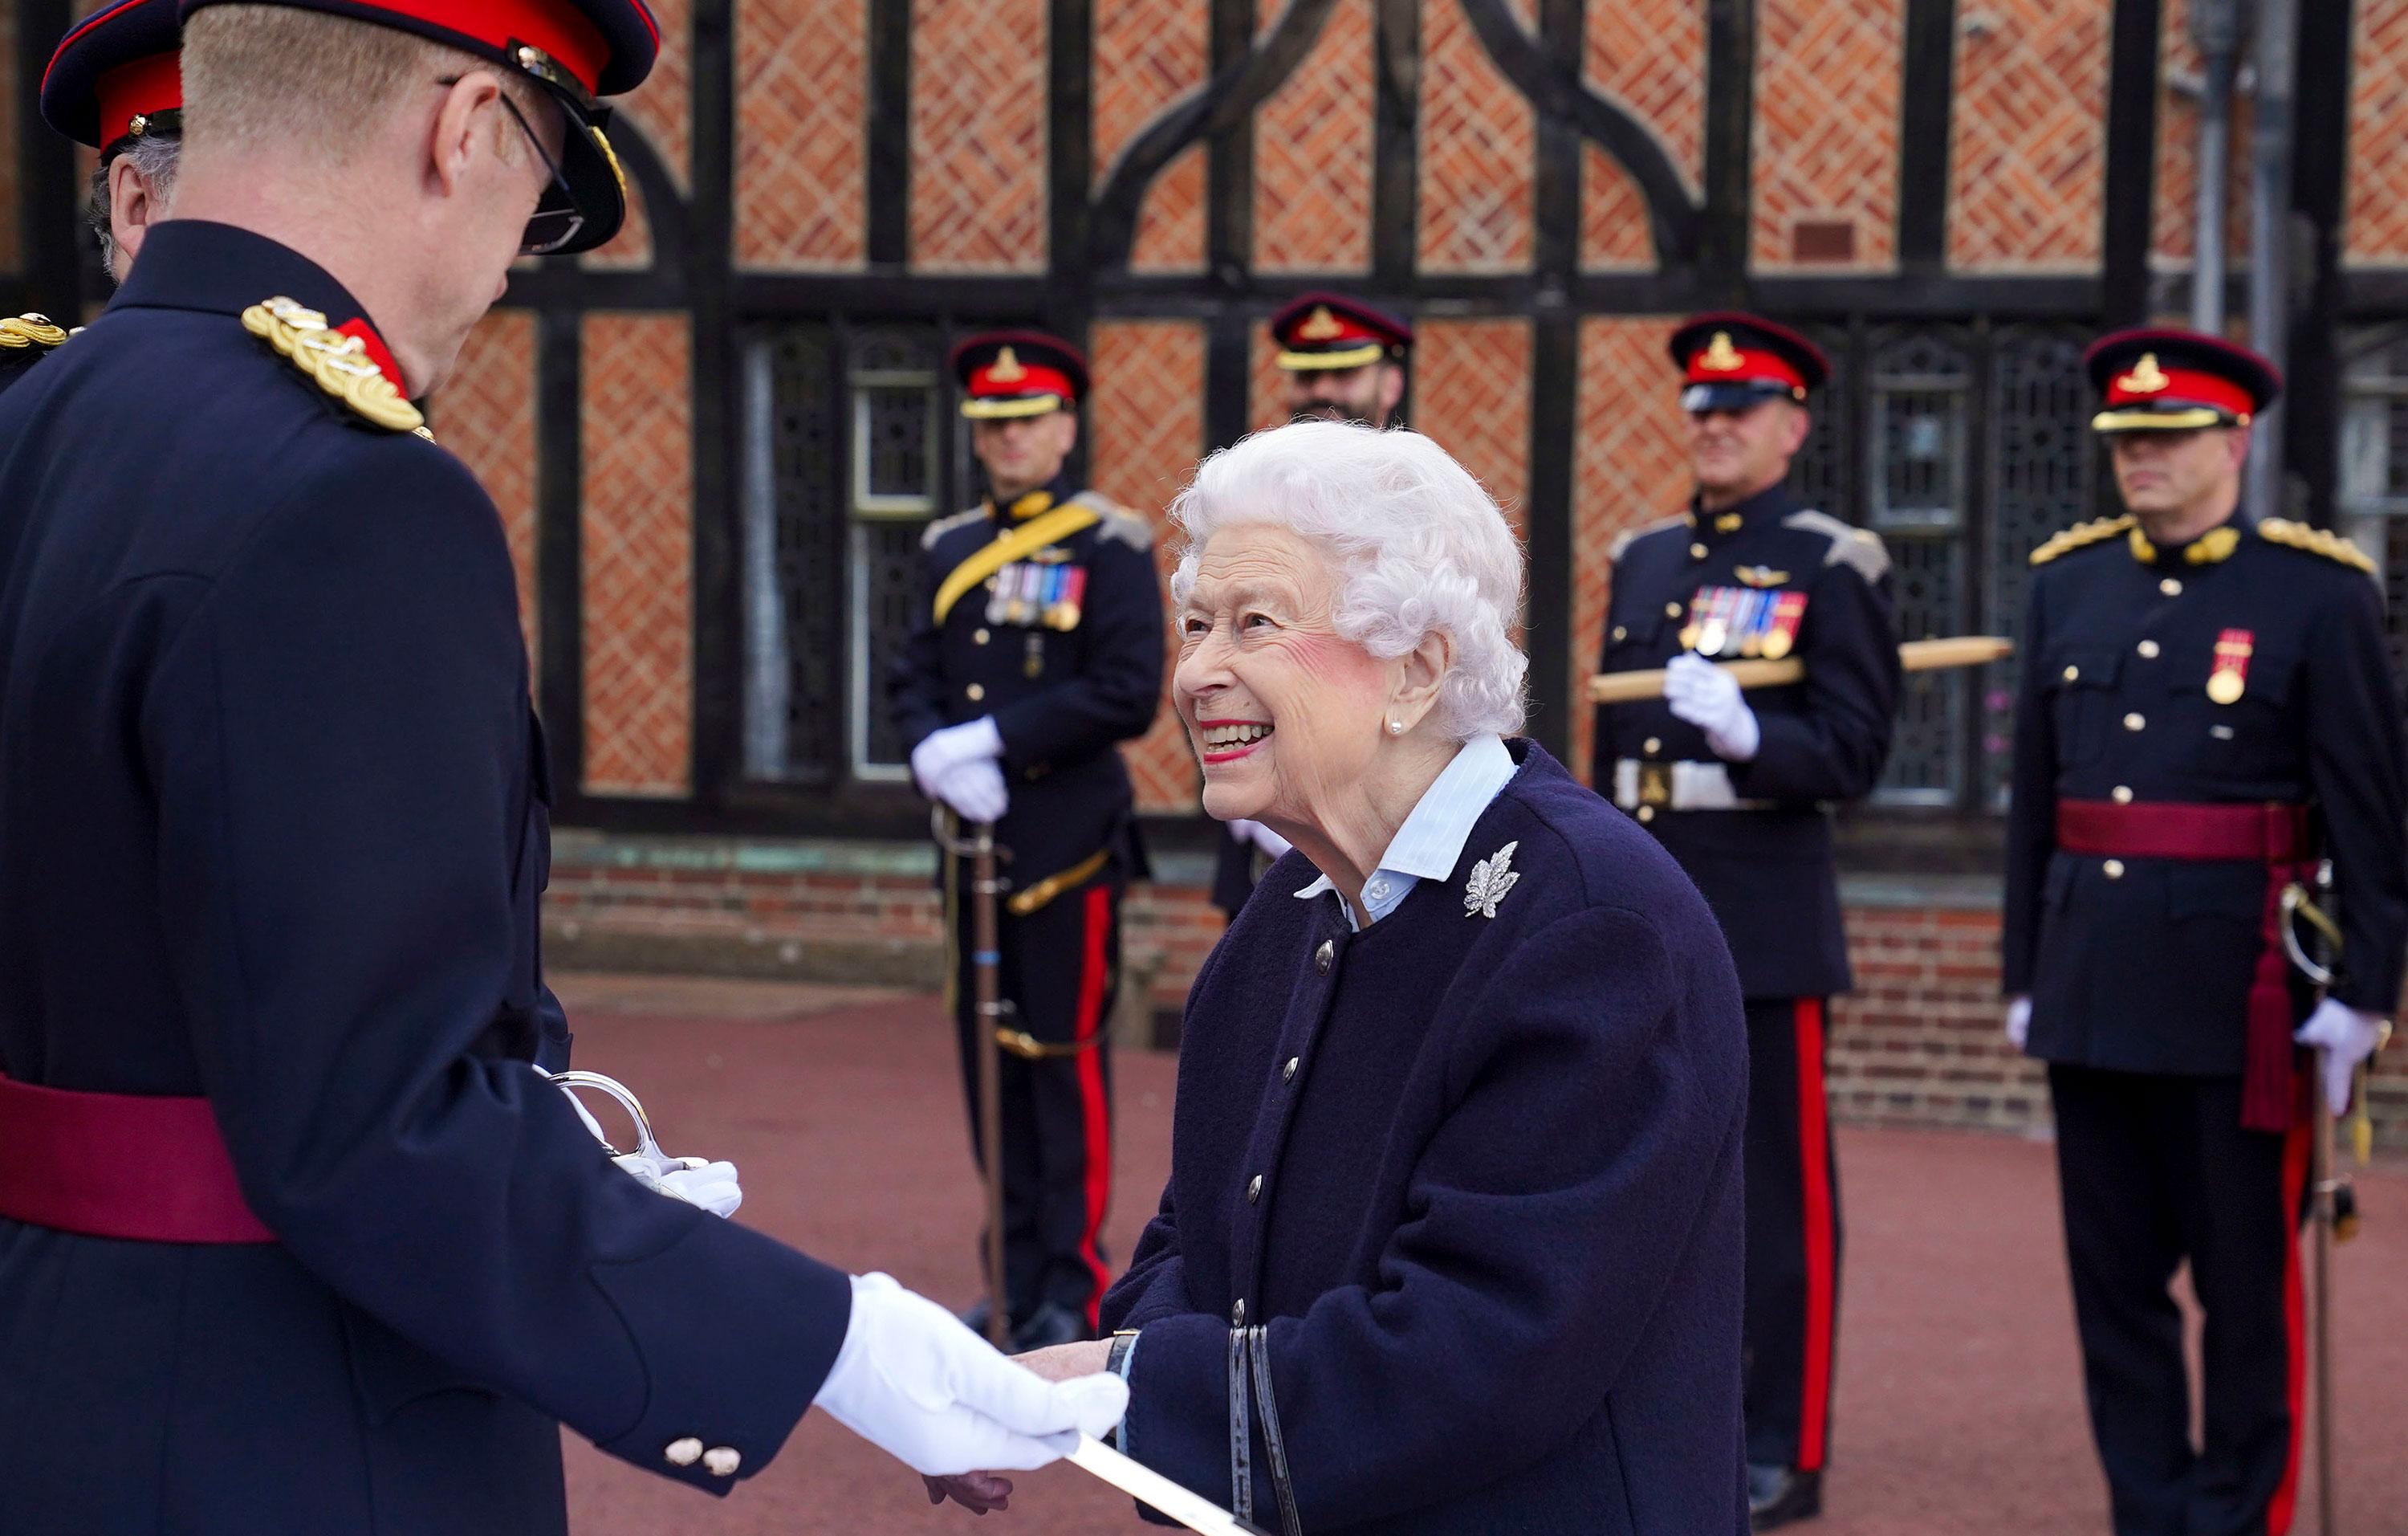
<point x="1958" y="1402"/>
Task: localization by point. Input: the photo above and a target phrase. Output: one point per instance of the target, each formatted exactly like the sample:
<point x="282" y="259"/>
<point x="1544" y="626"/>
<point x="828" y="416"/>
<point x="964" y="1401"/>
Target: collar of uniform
<point x="1766" y="506"/>
<point x="2212" y="547"/>
<point x="220" y="269"/>
<point x="1043" y="499"/>
<point x="1430" y="843"/>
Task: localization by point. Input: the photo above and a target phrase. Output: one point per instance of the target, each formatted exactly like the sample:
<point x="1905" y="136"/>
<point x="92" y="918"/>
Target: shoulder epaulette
<point x="1628" y="537"/>
<point x="2298" y="536"/>
<point x="1859" y="548"/>
<point x="336" y="363"/>
<point x="1116" y="522"/>
<point x="2081" y="536"/>
<point x="30" y="331"/>
<point x="944" y="526"/>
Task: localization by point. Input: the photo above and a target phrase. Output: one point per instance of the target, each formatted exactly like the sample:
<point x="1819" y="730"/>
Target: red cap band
<point x="1741" y="366"/>
<point x="1022" y="378"/>
<point x="141" y="88"/>
<point x="2147" y="384"/>
<point x="556" y="27"/>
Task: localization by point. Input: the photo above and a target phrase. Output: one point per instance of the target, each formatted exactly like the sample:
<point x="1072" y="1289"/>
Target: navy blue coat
<point x="273" y="827"/>
<point x="1497" y="1238"/>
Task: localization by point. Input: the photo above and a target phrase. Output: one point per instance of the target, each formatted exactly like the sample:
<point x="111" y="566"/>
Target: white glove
<point x="696" y="1181"/>
<point x="1708" y="698"/>
<point x="916" y="1384"/>
<point x="943" y="751"/>
<point x="975" y="791"/>
<point x="1270" y="843"/>
<point x="2343" y="1037"/>
<point x="2019" y="1019"/>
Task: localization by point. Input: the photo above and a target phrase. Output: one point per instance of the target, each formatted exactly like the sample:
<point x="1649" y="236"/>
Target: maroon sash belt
<point x="138" y="1166"/>
<point x="2273" y="835"/>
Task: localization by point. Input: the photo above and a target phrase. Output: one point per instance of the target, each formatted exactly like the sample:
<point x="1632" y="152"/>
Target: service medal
<point x="2231" y="678"/>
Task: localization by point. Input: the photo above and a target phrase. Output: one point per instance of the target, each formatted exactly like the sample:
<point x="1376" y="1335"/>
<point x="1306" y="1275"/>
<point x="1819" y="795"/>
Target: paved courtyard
<point x="1959" y="1406"/>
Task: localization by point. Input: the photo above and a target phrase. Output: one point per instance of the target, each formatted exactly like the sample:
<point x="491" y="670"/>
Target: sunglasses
<point x="557" y="219"/>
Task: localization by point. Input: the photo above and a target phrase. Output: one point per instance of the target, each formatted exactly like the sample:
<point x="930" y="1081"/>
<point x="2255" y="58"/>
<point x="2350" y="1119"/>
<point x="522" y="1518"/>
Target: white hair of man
<point x="1420" y="549"/>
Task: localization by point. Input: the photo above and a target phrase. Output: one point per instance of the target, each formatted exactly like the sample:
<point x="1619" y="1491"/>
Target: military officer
<point x="1345" y="361"/>
<point x="1038" y="649"/>
<point x="1740" y="787"/>
<point x="114" y="85"/>
<point x="292" y="1236"/>
<point x="2206" y="710"/>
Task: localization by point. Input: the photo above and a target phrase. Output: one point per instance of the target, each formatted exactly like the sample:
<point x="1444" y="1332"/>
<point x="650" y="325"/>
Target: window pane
<point x="897" y="481"/>
<point x="885" y="601"/>
<point x="793" y="559"/>
<point x="1917" y="474"/>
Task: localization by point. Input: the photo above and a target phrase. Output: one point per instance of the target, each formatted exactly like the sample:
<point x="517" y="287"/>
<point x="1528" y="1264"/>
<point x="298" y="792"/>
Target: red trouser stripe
<point x="1094" y="1113"/>
<point x="1814" y="1164"/>
<point x="2295" y="1184"/>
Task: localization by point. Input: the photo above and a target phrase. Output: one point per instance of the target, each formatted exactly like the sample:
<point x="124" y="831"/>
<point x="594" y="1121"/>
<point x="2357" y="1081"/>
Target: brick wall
<point x="1918" y="1042"/>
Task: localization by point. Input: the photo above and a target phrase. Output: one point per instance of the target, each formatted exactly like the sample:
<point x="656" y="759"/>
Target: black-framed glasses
<point x="557" y="219"/>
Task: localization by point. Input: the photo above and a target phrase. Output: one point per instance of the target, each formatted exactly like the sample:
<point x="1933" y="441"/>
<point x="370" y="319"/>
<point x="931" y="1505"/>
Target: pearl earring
<point x="1395" y="728"/>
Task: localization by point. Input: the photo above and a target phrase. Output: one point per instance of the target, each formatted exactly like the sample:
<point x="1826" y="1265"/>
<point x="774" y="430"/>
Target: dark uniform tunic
<point x="273" y="827"/>
<point x="2140" y="968"/>
<point x="1478" y="1180"/>
<point x="1765" y="869"/>
<point x="1065" y="689"/>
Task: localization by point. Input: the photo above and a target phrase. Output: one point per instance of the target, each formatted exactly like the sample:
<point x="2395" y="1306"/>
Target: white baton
<point x="1148" y="1486"/>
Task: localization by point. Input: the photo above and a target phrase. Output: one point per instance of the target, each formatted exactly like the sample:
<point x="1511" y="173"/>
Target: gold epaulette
<point x="2081" y="536"/>
<point x="30" y="330"/>
<point x="336" y="363"/>
<point x="2332" y="546"/>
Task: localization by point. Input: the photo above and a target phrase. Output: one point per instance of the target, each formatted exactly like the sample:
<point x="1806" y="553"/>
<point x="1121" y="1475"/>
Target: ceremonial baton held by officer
<point x="1764" y="672"/>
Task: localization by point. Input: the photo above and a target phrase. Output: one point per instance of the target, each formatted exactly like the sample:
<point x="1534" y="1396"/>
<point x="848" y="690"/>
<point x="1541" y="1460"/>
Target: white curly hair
<point x="1421" y="548"/>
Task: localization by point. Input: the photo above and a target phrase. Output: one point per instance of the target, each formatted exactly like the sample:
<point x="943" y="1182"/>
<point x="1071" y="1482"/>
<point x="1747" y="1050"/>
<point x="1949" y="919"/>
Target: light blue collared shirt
<point x="1431" y="841"/>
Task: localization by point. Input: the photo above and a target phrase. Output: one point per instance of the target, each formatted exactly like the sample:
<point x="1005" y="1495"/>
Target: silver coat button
<point x="1646" y="814"/>
<point x="1322" y="956"/>
<point x="1238" y="1315"/>
<point x="1697" y="551"/>
<point x="2115" y="867"/>
<point x="2121" y="794"/>
<point x="1253" y="1190"/>
<point x="2170" y="587"/>
<point x="2072" y="672"/>
<point x="2149" y="649"/>
<point x="1653" y="745"/>
<point x="2134" y="722"/>
<point x="1288" y="1074"/>
<point x="683" y="1453"/>
<point x="1671" y="610"/>
<point x="722" y="1461"/>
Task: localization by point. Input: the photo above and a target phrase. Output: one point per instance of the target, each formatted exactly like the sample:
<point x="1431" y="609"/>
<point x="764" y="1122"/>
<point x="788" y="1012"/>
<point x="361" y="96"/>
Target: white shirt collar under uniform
<point x="1430" y="842"/>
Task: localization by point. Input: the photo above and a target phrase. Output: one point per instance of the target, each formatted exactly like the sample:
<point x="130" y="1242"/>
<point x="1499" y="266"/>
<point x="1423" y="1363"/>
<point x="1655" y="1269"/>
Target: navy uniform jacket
<point x="1481" y="1178"/>
<point x="1766" y="873"/>
<point x="273" y="827"/>
<point x="1062" y="698"/>
<point x="2149" y="971"/>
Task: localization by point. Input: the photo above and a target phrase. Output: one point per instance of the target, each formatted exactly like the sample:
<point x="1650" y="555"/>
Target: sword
<point x="986" y="981"/>
<point x="1148" y="1486"/>
<point x="2335" y="1205"/>
<point x="1914" y="657"/>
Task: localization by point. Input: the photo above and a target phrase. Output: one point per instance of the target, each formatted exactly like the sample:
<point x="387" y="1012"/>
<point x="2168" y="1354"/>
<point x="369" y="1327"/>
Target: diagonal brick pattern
<point x="486" y="416"/>
<point x="1265" y="383"/>
<point x="1471" y="394"/>
<point x="1650" y="56"/>
<point x="638" y="532"/>
<point x="1147" y="414"/>
<point x="1476" y="136"/>
<point x="1631" y="468"/>
<point x="1171" y="222"/>
<point x="2375" y="225"/>
<point x="662" y="108"/>
<point x="1827" y="120"/>
<point x="1312" y="155"/>
<point x="2177" y="194"/>
<point x="978" y="136"/>
<point x="2028" y="156"/>
<point x="801" y="95"/>
<point x="1148" y="54"/>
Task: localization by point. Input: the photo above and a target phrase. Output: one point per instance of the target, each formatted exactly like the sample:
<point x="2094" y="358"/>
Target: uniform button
<point x="1697" y="551"/>
<point x="1671" y="610"/>
<point x="722" y="1461"/>
<point x="2149" y="649"/>
<point x="1322" y="956"/>
<point x="683" y="1453"/>
<point x="1646" y="814"/>
<point x="1653" y="745"/>
<point x="2133" y="723"/>
<point x="2115" y="867"/>
<point x="1253" y="1190"/>
<point x="2072" y="672"/>
<point x="1377" y="890"/>
<point x="1288" y="1074"/>
<point x="2170" y="587"/>
<point x="1238" y="1315"/>
<point x="2121" y="794"/>
<point x="979" y="637"/>
<point x="976" y="692"/>
<point x="1620" y="633"/>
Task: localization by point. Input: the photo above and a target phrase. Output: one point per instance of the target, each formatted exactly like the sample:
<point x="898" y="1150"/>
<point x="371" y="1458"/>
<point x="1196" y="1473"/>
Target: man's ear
<point x="2238" y="444"/>
<point x="1392" y="389"/>
<point x="131" y="210"/>
<point x="1800" y="422"/>
<point x="464" y="127"/>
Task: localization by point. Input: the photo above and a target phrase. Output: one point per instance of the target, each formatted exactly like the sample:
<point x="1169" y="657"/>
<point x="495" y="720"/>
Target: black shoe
<point x="1051" y="1324"/>
<point x="1778" y="1495"/>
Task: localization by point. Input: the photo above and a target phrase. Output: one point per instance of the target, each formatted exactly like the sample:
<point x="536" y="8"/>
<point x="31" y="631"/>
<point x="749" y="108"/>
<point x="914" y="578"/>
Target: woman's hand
<point x="1063" y="1362"/>
<point x="981" y="1493"/>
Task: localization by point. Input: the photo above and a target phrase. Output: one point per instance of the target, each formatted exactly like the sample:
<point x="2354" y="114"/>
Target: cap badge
<point x="1006" y="368"/>
<point x="1491" y="879"/>
<point x="1320" y="326"/>
<point x="1721" y="356"/>
<point x="2146" y="378"/>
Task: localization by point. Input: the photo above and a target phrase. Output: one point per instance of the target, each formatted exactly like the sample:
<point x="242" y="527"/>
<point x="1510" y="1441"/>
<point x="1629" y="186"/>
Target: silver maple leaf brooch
<point x="1491" y="877"/>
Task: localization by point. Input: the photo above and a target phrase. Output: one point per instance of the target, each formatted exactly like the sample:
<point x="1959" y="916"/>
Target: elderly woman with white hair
<point x="1452" y="1241"/>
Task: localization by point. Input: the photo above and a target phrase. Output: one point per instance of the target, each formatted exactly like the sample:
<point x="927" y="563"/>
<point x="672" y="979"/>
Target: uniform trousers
<point x="2155" y="1171"/>
<point x="1793" y="1237"/>
<point x="1060" y="971"/>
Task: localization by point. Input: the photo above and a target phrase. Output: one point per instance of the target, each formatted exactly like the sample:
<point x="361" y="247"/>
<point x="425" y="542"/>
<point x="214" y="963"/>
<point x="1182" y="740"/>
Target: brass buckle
<point x="1655" y="785"/>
